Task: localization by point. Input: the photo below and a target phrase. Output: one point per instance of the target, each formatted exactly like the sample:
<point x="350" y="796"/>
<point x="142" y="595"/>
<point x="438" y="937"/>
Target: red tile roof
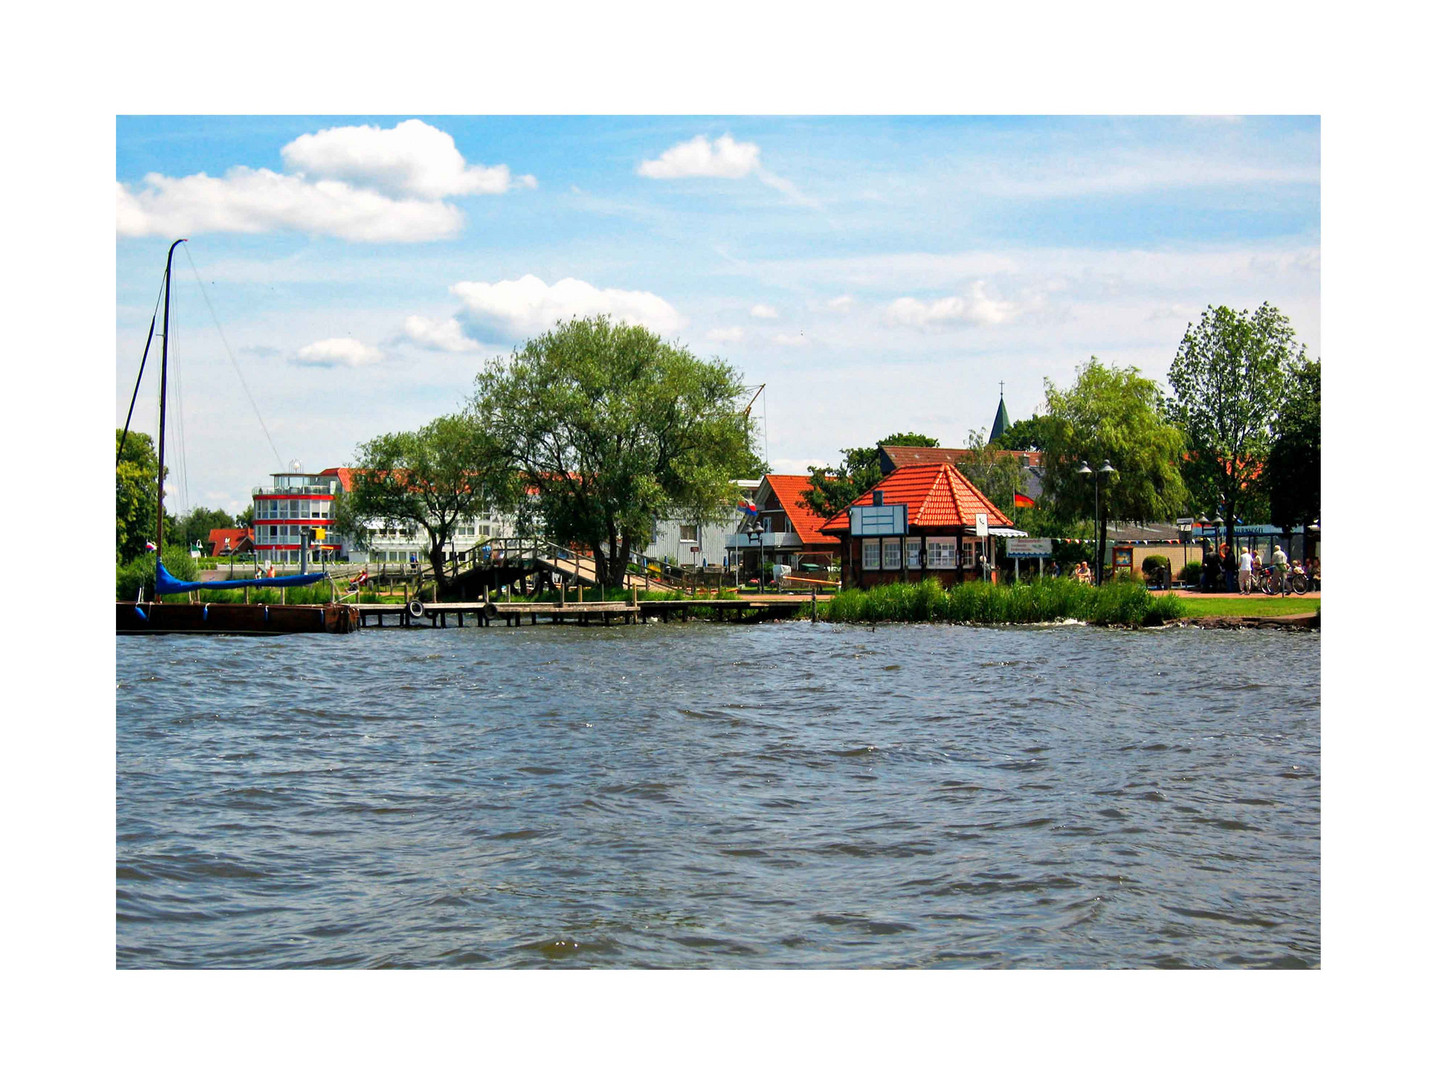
<point x="938" y="497"/>
<point x="789" y="489"/>
<point x="240" y="540"/>
<point x="936" y="455"/>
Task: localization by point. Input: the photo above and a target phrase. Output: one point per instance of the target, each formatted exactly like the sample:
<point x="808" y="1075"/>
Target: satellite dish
<point x="294" y="464"/>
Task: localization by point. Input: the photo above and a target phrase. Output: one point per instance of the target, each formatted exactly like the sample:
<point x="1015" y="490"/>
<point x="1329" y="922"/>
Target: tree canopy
<point x="834" y="488"/>
<point x="135" y="494"/>
<point x="431" y="479"/>
<point x="612" y="429"/>
<point x="1292" y="471"/>
<point x="1024" y="435"/>
<point x="1111" y="414"/>
<point x="194" y="527"/>
<point x="994" y="471"/>
<point x="1229" y="378"/>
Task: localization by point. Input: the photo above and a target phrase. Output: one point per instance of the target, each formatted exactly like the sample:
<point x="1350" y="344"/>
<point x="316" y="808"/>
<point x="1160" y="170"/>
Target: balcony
<point x="765" y="541"/>
<point x="327" y="489"/>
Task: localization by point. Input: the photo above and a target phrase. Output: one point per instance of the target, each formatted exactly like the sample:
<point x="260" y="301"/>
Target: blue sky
<point x="877" y="274"/>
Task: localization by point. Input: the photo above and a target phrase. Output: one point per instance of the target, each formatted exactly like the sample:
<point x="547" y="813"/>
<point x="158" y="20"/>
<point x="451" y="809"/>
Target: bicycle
<point x="1295" y="582"/>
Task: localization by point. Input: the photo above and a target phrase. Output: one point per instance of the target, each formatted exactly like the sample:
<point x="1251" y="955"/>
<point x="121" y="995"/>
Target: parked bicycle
<point x="1295" y="582"/>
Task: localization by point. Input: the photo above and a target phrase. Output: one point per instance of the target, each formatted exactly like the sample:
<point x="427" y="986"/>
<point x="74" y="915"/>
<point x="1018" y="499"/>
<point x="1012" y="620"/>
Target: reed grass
<point x="1124" y="603"/>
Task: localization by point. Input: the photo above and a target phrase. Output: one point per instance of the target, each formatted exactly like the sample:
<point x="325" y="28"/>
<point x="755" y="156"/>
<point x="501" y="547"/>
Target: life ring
<point x="416" y="609"/>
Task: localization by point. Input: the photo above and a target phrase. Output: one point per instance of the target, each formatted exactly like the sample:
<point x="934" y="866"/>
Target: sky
<point x="347" y="276"/>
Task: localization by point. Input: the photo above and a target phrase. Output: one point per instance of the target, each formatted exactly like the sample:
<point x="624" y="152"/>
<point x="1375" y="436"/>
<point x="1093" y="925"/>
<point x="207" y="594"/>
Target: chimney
<point x="879" y="497"/>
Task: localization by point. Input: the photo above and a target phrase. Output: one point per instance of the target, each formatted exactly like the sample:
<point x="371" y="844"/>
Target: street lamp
<point x="1104" y="470"/>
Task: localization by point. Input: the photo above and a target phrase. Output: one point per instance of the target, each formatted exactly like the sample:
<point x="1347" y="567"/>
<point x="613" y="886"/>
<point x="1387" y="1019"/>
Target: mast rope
<point x="231" y="355"/>
<point x="136" y="393"/>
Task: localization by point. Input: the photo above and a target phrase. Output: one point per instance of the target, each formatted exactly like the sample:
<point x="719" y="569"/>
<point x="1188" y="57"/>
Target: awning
<point x="1003" y="531"/>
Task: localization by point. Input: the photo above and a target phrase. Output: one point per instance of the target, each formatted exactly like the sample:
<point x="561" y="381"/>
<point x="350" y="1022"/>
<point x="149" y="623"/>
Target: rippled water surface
<point x="788" y="795"/>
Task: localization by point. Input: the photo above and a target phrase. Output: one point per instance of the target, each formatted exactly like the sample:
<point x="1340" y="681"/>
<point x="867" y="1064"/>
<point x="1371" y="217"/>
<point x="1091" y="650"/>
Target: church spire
<point x="1002" y="418"/>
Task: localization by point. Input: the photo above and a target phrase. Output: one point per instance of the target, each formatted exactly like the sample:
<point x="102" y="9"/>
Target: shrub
<point x="1123" y="603"/>
<point x="1191" y="574"/>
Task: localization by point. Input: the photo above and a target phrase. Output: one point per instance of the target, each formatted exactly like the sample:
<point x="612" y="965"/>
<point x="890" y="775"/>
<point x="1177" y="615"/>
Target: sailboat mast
<point x="164" y="371"/>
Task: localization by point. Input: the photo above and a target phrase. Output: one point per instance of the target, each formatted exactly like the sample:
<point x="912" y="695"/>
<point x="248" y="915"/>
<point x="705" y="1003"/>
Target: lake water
<point x="785" y="795"/>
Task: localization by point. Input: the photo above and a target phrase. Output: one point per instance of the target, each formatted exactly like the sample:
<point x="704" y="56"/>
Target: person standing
<point x="1279" y="566"/>
<point x="1246" y="571"/>
<point x="1229" y="566"/>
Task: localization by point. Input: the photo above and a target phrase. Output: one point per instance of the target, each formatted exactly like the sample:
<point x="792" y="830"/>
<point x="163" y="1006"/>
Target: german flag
<point x="1023" y="500"/>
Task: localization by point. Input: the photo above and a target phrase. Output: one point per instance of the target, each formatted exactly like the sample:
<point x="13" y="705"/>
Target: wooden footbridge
<point x="528" y="566"/>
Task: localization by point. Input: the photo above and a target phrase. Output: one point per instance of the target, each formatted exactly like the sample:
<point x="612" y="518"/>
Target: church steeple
<point x="1002" y="418"/>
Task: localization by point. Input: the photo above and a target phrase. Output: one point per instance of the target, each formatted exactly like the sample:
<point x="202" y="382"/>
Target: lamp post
<point x="1105" y="470"/>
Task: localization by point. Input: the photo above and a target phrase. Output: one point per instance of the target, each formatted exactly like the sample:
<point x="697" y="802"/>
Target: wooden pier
<point x="483" y="613"/>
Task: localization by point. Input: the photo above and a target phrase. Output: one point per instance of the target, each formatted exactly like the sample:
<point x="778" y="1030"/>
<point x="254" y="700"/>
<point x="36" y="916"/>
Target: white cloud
<point x="412" y="158"/>
<point x="764" y="311"/>
<point x="977" y="309"/>
<point x="841" y="303"/>
<point x="700" y="157"/>
<point x="727" y="334"/>
<point x="446" y="335"/>
<point x="258" y="200"/>
<point x="724" y="158"/>
<point x="356" y="183"/>
<point x="338" y="352"/>
<point x="529" y="306"/>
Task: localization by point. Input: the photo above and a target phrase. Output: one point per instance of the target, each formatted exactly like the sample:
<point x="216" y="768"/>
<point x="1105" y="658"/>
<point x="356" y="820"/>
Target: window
<point x="689" y="533"/>
<point x="940" y="552"/>
<point x="870" y="554"/>
<point x="973" y="548"/>
<point x="912" y="553"/>
<point x="892" y="553"/>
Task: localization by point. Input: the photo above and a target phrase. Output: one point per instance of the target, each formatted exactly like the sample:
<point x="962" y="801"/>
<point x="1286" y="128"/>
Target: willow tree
<point x="1229" y="376"/>
<point x="612" y="429"/>
<point x="1116" y="415"/>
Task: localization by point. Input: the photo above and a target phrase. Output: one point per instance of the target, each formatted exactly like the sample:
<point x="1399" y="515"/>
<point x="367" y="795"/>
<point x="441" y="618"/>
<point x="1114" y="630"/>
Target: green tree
<point x="134" y="495"/>
<point x="613" y="429"/>
<point x="195" y="527"/>
<point x="245" y="519"/>
<point x="1229" y="380"/>
<point x="832" y="489"/>
<point x="993" y="470"/>
<point x="1111" y="414"/>
<point x="1024" y="435"/>
<point x="1292" y="471"/>
<point x="430" y="479"/>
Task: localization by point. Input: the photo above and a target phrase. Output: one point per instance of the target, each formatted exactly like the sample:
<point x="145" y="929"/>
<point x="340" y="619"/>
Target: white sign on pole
<point x="982" y="525"/>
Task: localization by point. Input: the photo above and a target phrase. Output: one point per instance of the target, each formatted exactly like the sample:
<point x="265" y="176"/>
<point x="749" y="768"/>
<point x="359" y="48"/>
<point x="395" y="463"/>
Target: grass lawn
<point x="1253" y="605"/>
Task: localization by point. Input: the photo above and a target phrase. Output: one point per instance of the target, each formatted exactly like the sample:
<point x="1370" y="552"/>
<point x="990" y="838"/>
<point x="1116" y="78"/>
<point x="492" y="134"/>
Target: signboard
<point x="887" y="519"/>
<point x="982" y="525"/>
<point x="1184" y="523"/>
<point x="1022" y="546"/>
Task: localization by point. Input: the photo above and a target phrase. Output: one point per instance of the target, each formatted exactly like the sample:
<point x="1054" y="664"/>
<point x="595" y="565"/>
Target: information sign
<point x="1029" y="546"/>
<point x="982" y="525"/>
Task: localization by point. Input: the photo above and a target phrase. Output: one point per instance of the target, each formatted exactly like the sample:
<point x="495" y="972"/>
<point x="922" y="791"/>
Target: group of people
<point x="1082" y="574"/>
<point x="1222" y="570"/>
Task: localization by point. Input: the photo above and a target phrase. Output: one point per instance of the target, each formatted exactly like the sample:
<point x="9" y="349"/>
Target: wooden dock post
<point x="814" y="609"/>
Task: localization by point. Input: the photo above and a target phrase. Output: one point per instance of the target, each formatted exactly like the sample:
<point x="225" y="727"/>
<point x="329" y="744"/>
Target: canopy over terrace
<point x="944" y="531"/>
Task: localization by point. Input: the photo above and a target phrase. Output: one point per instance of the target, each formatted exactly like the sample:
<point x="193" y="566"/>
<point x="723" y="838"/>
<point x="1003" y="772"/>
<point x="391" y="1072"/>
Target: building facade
<point x="938" y="535"/>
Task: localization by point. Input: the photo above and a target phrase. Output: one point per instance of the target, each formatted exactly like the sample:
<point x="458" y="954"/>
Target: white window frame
<point x="890" y="553"/>
<point x="870" y="553"/>
<point x="693" y="532"/>
<point x="974" y="545"/>
<point x="941" y="552"/>
<point x="913" y="545"/>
